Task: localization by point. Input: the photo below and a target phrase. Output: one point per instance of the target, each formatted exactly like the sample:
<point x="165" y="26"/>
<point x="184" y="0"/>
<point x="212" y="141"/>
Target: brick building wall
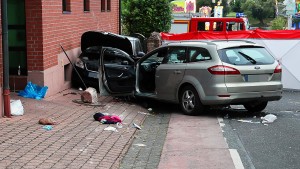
<point x="1" y="55"/>
<point x="48" y="27"/>
<point x="1" y="67"/>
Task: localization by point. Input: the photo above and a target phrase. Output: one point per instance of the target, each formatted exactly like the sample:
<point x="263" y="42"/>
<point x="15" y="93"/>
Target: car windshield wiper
<point x="250" y="59"/>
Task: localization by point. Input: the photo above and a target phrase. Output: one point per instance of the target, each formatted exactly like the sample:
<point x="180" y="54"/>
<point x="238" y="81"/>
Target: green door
<point x="17" y="37"/>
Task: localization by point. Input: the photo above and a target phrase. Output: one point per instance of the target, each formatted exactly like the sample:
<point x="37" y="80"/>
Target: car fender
<point x="190" y="80"/>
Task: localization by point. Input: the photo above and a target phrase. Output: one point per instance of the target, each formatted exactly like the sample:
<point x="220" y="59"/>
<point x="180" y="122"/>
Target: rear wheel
<point x="190" y="101"/>
<point x="256" y="106"/>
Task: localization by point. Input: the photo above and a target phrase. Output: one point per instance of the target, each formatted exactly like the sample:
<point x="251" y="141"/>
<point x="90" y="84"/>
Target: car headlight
<point x="79" y="63"/>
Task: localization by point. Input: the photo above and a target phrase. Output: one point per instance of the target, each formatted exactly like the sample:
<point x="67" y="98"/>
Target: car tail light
<point x="278" y="69"/>
<point x="223" y="70"/>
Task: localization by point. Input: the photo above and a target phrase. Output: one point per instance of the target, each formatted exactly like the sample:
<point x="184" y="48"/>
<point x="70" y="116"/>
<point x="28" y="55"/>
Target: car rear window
<point x="246" y="56"/>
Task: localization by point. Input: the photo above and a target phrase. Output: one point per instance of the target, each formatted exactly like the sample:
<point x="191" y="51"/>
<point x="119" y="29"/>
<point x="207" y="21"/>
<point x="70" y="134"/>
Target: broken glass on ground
<point x="111" y="129"/>
<point x="269" y="118"/>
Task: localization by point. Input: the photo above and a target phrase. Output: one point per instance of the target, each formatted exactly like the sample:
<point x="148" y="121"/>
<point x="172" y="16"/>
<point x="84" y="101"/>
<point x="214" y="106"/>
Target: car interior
<point x="148" y="66"/>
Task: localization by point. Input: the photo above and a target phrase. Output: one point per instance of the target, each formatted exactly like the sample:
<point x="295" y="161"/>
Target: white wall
<point x="288" y="54"/>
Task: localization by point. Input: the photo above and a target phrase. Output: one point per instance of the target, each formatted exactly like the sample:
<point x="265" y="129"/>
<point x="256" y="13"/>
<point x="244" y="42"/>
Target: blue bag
<point x="33" y="91"/>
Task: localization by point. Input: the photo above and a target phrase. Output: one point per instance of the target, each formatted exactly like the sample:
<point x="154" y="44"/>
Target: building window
<point x="102" y="5"/>
<point x="108" y="5"/>
<point x="86" y="5"/>
<point x="66" y="5"/>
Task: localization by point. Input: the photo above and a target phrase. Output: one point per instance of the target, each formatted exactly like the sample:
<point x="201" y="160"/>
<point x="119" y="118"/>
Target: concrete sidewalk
<point x="78" y="141"/>
<point x="195" y="142"/>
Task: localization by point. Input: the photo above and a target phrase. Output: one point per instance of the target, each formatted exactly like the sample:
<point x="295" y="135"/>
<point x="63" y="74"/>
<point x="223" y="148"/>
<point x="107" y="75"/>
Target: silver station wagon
<point x="196" y="74"/>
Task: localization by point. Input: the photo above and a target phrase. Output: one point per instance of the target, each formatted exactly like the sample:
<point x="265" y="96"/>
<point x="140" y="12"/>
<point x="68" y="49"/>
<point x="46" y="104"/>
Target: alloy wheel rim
<point x="188" y="100"/>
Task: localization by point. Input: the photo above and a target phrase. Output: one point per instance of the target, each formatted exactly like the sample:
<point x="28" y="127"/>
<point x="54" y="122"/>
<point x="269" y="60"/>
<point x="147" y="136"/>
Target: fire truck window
<point x="201" y="26"/>
<point x="218" y="26"/>
<point x="232" y="26"/>
<point x="241" y="26"/>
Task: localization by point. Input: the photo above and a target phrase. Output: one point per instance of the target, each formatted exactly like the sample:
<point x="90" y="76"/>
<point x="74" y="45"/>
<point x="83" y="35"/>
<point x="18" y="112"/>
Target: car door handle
<point x="120" y="75"/>
<point x="177" y="72"/>
<point x="125" y="68"/>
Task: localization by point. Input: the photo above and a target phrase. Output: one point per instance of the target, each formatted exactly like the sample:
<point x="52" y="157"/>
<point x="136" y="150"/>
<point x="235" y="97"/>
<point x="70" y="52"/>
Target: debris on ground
<point x="107" y="119"/>
<point x="47" y="121"/>
<point x="287" y="111"/>
<point x="16" y="108"/>
<point x="33" y="91"/>
<point x="109" y="128"/>
<point x="140" y="145"/>
<point x="89" y="95"/>
<point x="136" y="126"/>
<point x="48" y="127"/>
<point x="144" y="113"/>
<point x="73" y="93"/>
<point x="78" y="101"/>
<point x="119" y="125"/>
<point x="269" y="118"/>
<point x="247" y="121"/>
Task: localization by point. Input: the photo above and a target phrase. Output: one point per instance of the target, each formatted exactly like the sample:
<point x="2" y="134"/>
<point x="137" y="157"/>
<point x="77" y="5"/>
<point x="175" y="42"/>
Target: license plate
<point x="257" y="78"/>
<point x="93" y="75"/>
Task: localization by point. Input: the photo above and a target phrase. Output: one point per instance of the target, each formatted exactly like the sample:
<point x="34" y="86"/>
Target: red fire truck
<point x="209" y="24"/>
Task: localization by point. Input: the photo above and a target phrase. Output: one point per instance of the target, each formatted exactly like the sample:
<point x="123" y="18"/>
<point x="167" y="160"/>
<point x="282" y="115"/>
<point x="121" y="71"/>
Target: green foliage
<point x="236" y="6"/>
<point x="204" y="3"/>
<point x="145" y="16"/>
<point x="278" y="23"/>
<point x="231" y="14"/>
<point x="259" y="9"/>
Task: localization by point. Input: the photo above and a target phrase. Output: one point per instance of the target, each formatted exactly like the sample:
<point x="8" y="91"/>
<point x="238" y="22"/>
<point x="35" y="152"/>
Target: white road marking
<point x="233" y="152"/>
<point x="236" y="159"/>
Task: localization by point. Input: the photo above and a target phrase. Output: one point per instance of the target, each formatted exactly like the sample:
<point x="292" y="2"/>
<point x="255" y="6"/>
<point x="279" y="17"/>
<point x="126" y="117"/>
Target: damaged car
<point x="196" y="75"/>
<point x="87" y="64"/>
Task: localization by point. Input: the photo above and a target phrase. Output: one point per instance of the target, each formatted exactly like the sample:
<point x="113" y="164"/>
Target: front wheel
<point x="256" y="106"/>
<point x="190" y="101"/>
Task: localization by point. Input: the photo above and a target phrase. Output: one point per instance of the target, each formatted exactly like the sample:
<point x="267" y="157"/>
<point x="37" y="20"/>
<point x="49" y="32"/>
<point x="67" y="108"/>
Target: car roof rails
<point x="192" y="41"/>
<point x="234" y="40"/>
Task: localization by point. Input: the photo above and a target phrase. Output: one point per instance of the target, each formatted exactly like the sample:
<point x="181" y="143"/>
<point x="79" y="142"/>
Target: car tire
<point x="190" y="101"/>
<point x="256" y="107"/>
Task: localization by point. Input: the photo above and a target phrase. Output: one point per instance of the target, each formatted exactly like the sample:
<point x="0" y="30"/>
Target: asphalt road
<point x="260" y="146"/>
<point x="266" y="146"/>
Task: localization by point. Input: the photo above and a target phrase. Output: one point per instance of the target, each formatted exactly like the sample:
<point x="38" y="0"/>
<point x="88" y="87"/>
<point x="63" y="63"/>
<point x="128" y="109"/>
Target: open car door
<point x="117" y="71"/>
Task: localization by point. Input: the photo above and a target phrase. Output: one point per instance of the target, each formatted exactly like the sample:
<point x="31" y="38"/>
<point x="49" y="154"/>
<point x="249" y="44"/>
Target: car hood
<point x="95" y="38"/>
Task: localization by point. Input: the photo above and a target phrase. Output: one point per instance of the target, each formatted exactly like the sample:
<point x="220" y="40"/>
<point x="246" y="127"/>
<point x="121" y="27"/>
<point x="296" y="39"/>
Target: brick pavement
<point x="78" y="141"/>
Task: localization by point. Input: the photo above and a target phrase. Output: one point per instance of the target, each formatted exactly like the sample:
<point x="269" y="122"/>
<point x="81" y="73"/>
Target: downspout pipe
<point x="120" y="11"/>
<point x="6" y="91"/>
